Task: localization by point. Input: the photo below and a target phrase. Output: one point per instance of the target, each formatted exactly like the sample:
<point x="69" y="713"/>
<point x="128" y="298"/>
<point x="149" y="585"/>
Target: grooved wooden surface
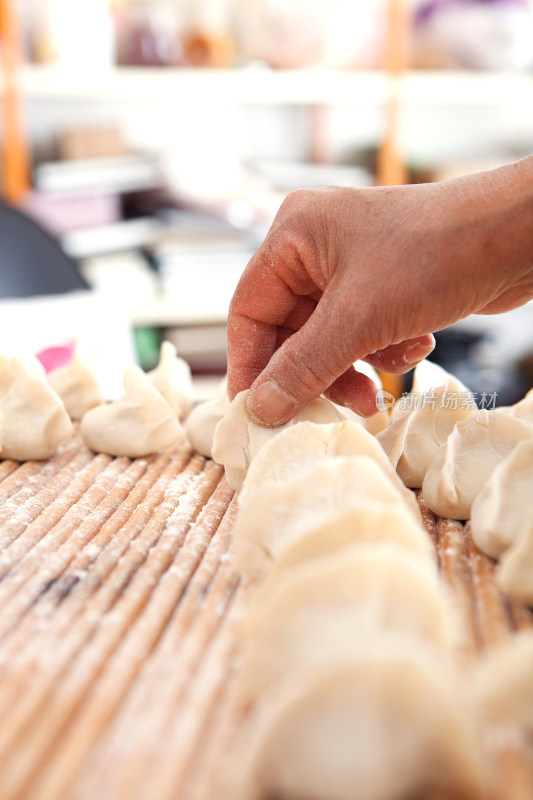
<point x="119" y="611"/>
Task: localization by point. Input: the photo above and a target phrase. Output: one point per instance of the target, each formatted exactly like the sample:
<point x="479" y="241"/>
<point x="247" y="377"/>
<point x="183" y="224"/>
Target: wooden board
<point x="119" y="607"/>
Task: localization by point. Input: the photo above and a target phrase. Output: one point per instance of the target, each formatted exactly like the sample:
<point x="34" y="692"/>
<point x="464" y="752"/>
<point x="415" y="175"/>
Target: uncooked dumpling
<point x="378" y="421"/>
<point x="384" y="723"/>
<point x="515" y="572"/>
<point x="502" y="509"/>
<point x="316" y="495"/>
<point x="237" y="439"/>
<point x="138" y="423"/>
<point x="34" y="418"/>
<point x="503" y="682"/>
<point x="293" y="448"/>
<point x="464" y="464"/>
<point x="201" y="422"/>
<point x="77" y="387"/>
<point x="172" y="378"/>
<point x="524" y="408"/>
<point x="367" y="521"/>
<point x="417" y="431"/>
<point x="322" y="610"/>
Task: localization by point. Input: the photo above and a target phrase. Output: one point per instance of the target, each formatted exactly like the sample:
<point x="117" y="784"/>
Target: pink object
<point x="53" y="357"/>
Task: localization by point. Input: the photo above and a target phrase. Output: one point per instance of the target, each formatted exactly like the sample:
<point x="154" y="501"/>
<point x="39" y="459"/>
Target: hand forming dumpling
<point x="237" y="439"/>
<point x="34" y="418"/>
<point x="137" y="424"/>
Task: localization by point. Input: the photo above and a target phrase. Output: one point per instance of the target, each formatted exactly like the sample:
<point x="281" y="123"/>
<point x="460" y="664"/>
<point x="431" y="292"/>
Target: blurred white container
<point x="74" y="34"/>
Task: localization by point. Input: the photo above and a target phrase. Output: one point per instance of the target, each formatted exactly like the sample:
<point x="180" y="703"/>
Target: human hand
<point x="368" y="274"/>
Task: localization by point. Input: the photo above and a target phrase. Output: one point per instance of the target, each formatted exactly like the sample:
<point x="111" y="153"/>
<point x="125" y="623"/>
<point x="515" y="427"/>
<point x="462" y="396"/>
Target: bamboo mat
<point x="119" y="610"/>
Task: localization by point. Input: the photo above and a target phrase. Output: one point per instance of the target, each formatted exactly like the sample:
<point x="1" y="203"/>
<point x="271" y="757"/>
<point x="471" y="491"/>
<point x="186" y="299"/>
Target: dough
<point x="367" y="521"/>
<point x="383" y="723"/>
<point x="524" y="408"/>
<point x="77" y="387"/>
<point x="464" y="464"/>
<point x="515" y="572"/>
<point x="293" y="448"/>
<point x="318" y="494"/>
<point x="137" y="424"/>
<point x="172" y="378"/>
<point x="237" y="439"/>
<point x="503" y="686"/>
<point x="417" y="432"/>
<point x="34" y="418"/>
<point x="201" y="422"/>
<point x="322" y="610"/>
<point x="502" y="509"/>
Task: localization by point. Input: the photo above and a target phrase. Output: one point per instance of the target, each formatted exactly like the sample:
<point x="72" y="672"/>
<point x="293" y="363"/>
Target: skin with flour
<point x="347" y="274"/>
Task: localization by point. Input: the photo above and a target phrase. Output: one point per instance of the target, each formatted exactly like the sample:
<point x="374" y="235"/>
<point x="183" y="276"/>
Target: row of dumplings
<point x="472" y="464"/>
<point x="349" y="640"/>
<point x="36" y="408"/>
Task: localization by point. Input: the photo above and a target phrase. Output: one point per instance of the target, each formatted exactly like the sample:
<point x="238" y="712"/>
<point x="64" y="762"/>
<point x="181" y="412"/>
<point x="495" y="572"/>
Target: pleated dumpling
<point x="464" y="464"/>
<point x="35" y="421"/>
<point x="321" y="610"/>
<point x="423" y="426"/>
<point x="523" y="409"/>
<point x="318" y="493"/>
<point x="172" y="378"/>
<point x="364" y="522"/>
<point x="515" y="571"/>
<point x="292" y="449"/>
<point x="237" y="439"/>
<point x="201" y="422"/>
<point x="383" y="723"/>
<point x="137" y="424"/>
<point x="503" y="684"/>
<point x="77" y="387"/>
<point x="502" y="509"/>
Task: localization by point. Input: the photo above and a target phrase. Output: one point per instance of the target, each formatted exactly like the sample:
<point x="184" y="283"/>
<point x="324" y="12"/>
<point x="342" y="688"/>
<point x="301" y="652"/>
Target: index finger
<point x="263" y="302"/>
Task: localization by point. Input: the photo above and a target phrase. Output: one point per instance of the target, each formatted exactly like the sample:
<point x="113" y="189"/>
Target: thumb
<point x="303" y="367"/>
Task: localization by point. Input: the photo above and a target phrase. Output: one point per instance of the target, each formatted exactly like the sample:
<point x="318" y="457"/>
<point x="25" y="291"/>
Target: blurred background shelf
<point x="263" y="86"/>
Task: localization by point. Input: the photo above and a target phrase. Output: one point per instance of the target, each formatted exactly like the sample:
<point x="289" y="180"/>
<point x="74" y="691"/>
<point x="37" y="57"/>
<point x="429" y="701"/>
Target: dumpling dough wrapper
<point x="464" y="464"/>
<point x="277" y="514"/>
<point x="137" y="424"/>
<point x="293" y="448"/>
<point x="172" y="378"/>
<point x="77" y="387"/>
<point x="502" y="509"/>
<point x="201" y="422"/>
<point x="321" y="610"/>
<point x="237" y="439"/>
<point x="387" y="722"/>
<point x="34" y="418"/>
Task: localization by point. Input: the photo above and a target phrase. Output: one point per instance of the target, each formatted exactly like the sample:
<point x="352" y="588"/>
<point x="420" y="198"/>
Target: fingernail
<point x="417" y="352"/>
<point x="268" y="405"/>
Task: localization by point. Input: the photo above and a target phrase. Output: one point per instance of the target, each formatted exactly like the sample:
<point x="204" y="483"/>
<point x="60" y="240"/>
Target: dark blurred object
<point x="457" y="351"/>
<point x="31" y="261"/>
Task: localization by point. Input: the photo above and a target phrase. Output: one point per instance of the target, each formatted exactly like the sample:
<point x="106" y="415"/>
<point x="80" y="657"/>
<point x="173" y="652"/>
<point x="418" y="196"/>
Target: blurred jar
<point x="148" y="33"/>
<point x="73" y="33"/>
<point x="208" y="37"/>
<point x="310" y="33"/>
